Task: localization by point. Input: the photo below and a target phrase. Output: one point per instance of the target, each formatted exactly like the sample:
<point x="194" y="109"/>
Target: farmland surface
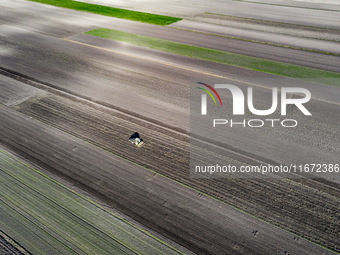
<point x="47" y="218"/>
<point x="69" y="101"/>
<point x="308" y="203"/>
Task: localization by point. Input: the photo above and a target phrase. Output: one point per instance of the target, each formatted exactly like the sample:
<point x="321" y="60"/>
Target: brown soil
<point x="8" y="246"/>
<point x="309" y="208"/>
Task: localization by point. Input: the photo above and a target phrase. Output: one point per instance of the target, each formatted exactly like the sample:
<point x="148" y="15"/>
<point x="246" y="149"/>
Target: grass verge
<point x="233" y="59"/>
<point x="112" y="12"/>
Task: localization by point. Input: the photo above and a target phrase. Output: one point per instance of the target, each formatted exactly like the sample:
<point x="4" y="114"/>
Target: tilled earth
<point x="309" y="208"/>
<point x="8" y="248"/>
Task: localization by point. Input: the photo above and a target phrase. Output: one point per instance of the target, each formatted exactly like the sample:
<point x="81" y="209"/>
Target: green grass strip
<point x="233" y="59"/>
<point x="112" y="12"/>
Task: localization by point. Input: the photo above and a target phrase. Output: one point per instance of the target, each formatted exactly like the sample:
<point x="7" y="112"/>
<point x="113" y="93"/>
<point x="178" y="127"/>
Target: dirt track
<point x="308" y="208"/>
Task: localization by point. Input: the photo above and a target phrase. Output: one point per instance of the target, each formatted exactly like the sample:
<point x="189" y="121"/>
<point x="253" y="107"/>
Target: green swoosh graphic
<point x="208" y="92"/>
